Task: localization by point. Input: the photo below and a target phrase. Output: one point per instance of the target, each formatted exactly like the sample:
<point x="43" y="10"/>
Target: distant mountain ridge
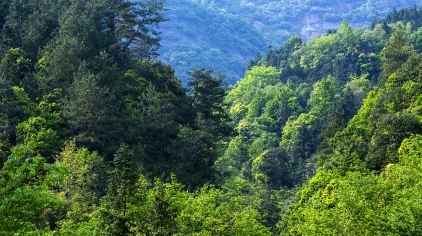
<point x="226" y="34"/>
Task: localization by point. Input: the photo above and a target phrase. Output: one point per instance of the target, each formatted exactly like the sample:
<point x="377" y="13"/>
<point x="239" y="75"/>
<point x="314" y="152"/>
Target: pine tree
<point x="207" y="99"/>
<point x="396" y="52"/>
<point x="93" y="113"/>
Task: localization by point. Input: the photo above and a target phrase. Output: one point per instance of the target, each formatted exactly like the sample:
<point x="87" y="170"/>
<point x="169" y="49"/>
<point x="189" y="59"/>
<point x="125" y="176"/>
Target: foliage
<point x="225" y="35"/>
<point x="98" y="138"/>
<point x="81" y="185"/>
<point x="363" y="202"/>
<point x="396" y="52"/>
<point x="26" y="192"/>
<point x="369" y="181"/>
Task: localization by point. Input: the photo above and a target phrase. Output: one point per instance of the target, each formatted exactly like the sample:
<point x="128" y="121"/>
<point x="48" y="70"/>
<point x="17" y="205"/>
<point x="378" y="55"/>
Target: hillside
<point x="226" y="34"/>
<point x="320" y="137"/>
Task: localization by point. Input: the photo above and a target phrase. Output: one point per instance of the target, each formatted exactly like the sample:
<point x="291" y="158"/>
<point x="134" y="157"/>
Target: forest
<point x="225" y="34"/>
<point x="99" y="137"/>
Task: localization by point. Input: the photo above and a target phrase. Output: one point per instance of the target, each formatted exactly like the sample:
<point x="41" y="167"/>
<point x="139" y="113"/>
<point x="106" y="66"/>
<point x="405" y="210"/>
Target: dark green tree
<point x="193" y="155"/>
<point x="273" y="168"/>
<point x="207" y="98"/>
<point x="15" y="102"/>
<point x="92" y="112"/>
<point x="198" y="146"/>
<point x="396" y="52"/>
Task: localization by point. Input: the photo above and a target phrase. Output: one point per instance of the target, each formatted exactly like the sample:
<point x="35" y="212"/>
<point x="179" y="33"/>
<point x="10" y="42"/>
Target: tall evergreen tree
<point x="397" y="51"/>
<point x="207" y="98"/>
<point x="93" y="114"/>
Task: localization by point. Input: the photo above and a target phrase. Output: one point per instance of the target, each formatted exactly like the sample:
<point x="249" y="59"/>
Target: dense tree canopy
<point x="97" y="137"/>
<point x="225" y="34"/>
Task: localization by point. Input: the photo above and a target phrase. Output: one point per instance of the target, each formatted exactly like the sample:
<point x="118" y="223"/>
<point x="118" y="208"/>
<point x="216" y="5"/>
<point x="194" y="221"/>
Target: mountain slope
<point x="225" y="35"/>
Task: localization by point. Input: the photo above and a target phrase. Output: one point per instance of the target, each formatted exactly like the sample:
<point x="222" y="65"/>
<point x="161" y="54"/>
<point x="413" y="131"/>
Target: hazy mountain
<point x="226" y="34"/>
